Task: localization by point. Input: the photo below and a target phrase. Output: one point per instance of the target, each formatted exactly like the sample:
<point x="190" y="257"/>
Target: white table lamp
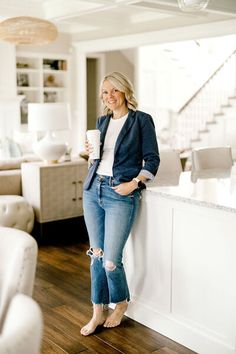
<point x="49" y="117"/>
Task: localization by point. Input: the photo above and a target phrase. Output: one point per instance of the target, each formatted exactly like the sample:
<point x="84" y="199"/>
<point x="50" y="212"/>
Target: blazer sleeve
<point x="149" y="143"/>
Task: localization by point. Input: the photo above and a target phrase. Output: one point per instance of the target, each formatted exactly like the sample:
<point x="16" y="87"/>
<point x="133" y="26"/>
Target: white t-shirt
<point x="113" y="130"/>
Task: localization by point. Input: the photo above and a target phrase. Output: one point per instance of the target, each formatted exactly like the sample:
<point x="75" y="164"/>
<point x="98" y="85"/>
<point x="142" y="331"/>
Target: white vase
<point x="49" y="149"/>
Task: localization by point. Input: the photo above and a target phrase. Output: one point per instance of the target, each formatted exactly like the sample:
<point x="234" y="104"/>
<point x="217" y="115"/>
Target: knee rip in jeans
<point x="95" y="253"/>
<point x="98" y="253"/>
<point x="109" y="265"/>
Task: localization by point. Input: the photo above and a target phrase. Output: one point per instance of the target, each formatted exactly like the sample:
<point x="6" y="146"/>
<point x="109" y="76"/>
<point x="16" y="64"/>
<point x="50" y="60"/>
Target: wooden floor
<point x="62" y="288"/>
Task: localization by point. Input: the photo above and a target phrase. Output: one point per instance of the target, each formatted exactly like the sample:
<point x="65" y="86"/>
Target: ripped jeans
<point x="109" y="218"/>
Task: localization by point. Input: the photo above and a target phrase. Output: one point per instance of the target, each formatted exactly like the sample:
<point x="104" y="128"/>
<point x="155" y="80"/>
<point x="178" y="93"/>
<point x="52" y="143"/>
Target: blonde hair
<point x="123" y="84"/>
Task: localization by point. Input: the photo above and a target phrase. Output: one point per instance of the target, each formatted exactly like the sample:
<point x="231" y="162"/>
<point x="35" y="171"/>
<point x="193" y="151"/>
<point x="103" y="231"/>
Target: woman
<point x="129" y="157"/>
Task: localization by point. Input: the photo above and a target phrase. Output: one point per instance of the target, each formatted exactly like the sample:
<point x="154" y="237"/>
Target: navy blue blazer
<point x="136" y="148"/>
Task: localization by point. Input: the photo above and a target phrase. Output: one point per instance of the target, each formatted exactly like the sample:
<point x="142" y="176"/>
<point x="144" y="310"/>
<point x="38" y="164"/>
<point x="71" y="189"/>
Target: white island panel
<point x="181" y="265"/>
<point x="204" y="271"/>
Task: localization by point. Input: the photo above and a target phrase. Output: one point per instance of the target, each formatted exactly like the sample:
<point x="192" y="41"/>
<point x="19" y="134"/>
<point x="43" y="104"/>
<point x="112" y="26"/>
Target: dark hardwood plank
<point x="62" y="289"/>
<point x="165" y="351"/>
<point x="50" y="347"/>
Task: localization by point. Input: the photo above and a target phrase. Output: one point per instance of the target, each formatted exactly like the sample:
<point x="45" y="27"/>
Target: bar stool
<point x="169" y="170"/>
<point x="211" y="158"/>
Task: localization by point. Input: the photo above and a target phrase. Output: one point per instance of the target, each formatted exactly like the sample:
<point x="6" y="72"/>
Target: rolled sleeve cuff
<point x="148" y="175"/>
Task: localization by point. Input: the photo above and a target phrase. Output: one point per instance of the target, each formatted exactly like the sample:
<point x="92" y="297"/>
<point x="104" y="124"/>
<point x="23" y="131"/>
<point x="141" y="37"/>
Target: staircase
<point x="208" y="118"/>
<point x="222" y="130"/>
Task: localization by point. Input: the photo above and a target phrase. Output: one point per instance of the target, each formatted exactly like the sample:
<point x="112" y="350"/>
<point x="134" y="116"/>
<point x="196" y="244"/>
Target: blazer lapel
<point x="104" y="127"/>
<point x="126" y="127"/>
<point x="103" y="130"/>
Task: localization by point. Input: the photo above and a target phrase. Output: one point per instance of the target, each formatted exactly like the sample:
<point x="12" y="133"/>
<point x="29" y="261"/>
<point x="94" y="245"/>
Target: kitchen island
<point x="180" y="260"/>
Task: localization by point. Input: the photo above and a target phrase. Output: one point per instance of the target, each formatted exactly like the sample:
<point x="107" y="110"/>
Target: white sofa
<point x="23" y="327"/>
<point x="10" y="174"/>
<point x="18" y="254"/>
<point x="13" y="152"/>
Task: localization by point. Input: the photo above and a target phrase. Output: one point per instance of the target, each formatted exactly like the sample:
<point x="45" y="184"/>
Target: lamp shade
<point x="27" y="30"/>
<point x="48" y="116"/>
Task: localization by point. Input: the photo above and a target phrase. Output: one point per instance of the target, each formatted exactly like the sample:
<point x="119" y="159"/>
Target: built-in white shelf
<point x="41" y="78"/>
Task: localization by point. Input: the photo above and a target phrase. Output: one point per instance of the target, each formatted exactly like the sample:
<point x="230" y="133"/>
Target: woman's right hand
<point x="88" y="147"/>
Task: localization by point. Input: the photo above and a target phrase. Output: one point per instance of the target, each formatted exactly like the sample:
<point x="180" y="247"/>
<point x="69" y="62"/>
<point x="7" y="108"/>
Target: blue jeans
<point x="109" y="217"/>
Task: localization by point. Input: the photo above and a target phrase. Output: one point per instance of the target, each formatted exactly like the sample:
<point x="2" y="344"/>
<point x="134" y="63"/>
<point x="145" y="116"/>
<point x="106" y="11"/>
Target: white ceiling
<point x="96" y="19"/>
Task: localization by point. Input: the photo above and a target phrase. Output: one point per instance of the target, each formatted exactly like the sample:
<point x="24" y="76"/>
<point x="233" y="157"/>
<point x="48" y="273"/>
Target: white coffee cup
<point x="93" y="137"/>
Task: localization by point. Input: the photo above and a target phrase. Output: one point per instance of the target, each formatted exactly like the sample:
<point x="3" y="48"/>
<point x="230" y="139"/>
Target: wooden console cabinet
<point x="55" y="191"/>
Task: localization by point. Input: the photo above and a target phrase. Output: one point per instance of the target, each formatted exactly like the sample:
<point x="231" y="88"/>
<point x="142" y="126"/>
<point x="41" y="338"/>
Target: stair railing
<point x="202" y="107"/>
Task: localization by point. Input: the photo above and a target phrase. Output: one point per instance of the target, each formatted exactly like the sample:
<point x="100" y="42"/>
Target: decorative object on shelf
<point x="22" y="65"/>
<point x="23" y="30"/>
<point x="22" y="79"/>
<point x="192" y="5"/>
<point x="50" y="81"/>
<point x="50" y="97"/>
<point x="54" y="64"/>
<point x="48" y="117"/>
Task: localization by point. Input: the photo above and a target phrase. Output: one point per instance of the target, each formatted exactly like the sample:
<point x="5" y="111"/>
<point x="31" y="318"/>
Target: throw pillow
<point x="14" y="148"/>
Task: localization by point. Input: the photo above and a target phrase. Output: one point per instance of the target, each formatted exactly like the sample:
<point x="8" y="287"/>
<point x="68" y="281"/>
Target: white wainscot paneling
<point x="204" y="273"/>
<point x="181" y="268"/>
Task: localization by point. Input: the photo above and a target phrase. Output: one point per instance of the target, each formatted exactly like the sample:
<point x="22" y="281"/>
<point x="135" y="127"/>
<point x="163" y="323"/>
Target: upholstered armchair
<point x="18" y="258"/>
<point x="23" y="327"/>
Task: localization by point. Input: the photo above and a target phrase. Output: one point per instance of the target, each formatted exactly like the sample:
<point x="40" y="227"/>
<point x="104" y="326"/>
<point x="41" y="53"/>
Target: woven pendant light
<point x="27" y="30"/>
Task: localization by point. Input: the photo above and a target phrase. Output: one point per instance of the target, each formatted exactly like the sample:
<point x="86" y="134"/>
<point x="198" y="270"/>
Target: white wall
<point x="62" y="45"/>
<point x="117" y="61"/>
<point x="7" y="70"/>
<point x="9" y="103"/>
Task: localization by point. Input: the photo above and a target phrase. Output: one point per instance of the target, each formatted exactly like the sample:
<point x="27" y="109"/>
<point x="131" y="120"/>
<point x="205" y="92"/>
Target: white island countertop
<point x="214" y="189"/>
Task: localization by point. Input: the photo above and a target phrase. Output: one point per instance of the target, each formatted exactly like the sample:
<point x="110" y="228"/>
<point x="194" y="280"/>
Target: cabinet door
<point x="81" y="173"/>
<point x="59" y="191"/>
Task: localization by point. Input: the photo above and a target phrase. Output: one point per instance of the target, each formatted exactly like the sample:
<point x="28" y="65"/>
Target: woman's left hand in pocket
<point x="125" y="188"/>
